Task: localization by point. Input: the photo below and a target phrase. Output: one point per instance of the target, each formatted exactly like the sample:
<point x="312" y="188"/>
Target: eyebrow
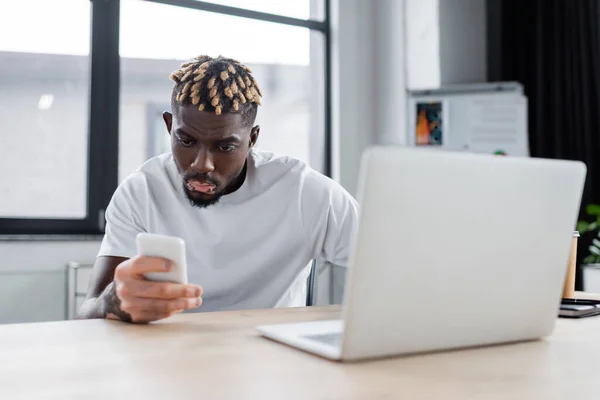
<point x="228" y="139"/>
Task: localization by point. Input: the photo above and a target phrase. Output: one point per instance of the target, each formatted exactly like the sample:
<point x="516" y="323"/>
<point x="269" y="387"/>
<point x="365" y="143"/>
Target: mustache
<point x="196" y="176"/>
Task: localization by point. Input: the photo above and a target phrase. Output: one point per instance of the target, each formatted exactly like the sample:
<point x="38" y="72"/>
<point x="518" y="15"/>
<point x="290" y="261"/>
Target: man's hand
<point x="131" y="298"/>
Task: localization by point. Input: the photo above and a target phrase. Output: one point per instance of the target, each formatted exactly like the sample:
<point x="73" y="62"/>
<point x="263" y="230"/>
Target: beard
<point x="203" y="200"/>
<point x="199" y="199"/>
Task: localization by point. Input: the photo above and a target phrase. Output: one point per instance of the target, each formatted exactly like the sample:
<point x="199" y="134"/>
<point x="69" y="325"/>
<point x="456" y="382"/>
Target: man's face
<point x="210" y="151"/>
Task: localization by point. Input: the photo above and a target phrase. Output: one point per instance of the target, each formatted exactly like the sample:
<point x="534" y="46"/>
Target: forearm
<point x="106" y="305"/>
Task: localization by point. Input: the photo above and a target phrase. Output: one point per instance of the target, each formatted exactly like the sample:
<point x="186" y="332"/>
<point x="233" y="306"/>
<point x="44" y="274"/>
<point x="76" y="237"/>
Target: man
<point x="252" y="221"/>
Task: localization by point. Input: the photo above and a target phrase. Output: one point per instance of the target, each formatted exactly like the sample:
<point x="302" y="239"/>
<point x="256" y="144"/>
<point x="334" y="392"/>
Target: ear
<point x="254" y="136"/>
<point x="168" y="118"/>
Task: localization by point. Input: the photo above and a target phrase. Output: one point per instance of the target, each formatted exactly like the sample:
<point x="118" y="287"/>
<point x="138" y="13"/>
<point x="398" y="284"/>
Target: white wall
<point x="368" y="80"/>
<point x="463" y="44"/>
<point x="384" y="48"/>
<point x="352" y="90"/>
<point x="33" y="278"/>
<point x="422" y="34"/>
<point x="445" y="42"/>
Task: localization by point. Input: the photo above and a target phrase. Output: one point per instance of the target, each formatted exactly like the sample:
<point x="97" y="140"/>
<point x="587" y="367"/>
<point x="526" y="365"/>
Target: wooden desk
<point x="219" y="356"/>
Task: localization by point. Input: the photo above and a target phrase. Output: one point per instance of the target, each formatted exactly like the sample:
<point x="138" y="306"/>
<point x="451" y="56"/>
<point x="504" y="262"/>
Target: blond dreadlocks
<point x="219" y="85"/>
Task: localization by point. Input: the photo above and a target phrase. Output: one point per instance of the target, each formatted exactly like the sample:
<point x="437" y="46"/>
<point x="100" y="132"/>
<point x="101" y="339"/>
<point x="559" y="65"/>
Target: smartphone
<point x="169" y="247"/>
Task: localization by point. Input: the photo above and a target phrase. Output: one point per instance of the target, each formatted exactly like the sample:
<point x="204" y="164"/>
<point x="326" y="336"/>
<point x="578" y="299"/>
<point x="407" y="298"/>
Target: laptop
<point x="453" y="250"/>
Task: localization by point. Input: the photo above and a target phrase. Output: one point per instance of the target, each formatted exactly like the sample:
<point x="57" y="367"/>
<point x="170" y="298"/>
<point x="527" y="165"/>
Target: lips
<point x="202" y="187"/>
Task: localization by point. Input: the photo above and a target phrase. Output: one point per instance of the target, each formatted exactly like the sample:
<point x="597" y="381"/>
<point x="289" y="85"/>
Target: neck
<point x="238" y="181"/>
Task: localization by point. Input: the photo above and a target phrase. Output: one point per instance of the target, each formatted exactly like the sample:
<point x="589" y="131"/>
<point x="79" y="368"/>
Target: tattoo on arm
<point x="113" y="305"/>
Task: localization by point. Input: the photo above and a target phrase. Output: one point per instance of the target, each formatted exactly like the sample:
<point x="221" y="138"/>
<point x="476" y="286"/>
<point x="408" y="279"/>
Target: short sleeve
<point x="330" y="218"/>
<point x="125" y="218"/>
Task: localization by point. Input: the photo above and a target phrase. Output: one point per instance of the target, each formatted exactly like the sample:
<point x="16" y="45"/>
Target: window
<point x="303" y="9"/>
<point x="82" y="98"/>
<point x="44" y="79"/>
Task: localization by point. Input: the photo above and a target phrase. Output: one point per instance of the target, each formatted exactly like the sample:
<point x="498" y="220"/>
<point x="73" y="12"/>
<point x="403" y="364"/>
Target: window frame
<point x="104" y="102"/>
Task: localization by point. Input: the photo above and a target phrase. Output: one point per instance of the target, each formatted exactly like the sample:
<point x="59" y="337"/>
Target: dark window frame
<point x="104" y="97"/>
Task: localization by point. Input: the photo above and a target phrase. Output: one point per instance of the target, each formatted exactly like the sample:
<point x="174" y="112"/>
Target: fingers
<point x="138" y="266"/>
<point x="147" y="301"/>
<point x="157" y="290"/>
<point x="137" y="306"/>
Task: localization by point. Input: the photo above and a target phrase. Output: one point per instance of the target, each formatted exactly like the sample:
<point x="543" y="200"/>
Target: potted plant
<point x="591" y="260"/>
<point x="593" y="210"/>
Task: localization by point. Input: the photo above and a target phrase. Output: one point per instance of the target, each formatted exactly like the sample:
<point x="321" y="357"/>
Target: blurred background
<point x="83" y="84"/>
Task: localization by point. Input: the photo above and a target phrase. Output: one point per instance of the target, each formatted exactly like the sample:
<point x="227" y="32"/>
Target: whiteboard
<point x="483" y="118"/>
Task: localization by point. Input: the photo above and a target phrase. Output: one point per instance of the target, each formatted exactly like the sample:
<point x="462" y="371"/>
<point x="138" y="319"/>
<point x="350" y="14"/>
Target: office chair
<point x="310" y="284"/>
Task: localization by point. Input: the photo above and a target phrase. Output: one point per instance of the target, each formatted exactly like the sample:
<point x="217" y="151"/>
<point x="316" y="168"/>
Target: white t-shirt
<point x="254" y="247"/>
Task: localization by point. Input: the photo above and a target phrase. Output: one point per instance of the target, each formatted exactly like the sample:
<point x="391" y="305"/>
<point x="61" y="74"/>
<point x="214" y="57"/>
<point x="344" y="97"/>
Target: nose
<point x="203" y="162"/>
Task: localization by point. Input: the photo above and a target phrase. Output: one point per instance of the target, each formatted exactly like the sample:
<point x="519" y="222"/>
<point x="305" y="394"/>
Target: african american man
<point x="252" y="220"/>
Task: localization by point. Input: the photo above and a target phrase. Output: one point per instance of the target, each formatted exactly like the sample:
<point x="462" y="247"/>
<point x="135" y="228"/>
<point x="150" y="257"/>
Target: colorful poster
<point x="429" y="129"/>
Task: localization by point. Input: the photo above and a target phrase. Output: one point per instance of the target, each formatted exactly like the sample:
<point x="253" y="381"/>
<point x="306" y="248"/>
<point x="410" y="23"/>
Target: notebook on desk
<point x="579" y="308"/>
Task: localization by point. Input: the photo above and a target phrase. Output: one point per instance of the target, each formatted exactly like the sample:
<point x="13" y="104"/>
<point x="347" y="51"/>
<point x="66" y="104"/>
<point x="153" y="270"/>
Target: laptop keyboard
<point x="332" y="339"/>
